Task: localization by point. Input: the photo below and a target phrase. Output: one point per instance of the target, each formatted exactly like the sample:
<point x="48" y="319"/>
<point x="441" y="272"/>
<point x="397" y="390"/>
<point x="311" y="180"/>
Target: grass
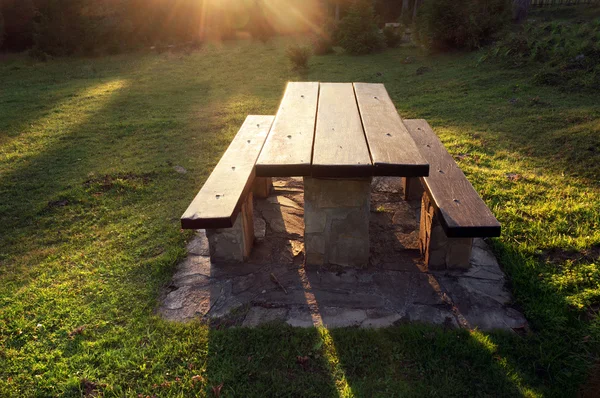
<point x="90" y="205"/>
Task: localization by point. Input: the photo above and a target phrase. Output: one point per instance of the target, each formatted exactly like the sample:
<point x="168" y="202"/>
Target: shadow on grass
<point x="406" y="360"/>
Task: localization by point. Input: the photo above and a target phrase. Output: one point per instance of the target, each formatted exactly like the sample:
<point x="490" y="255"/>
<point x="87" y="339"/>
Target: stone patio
<point x="275" y="285"/>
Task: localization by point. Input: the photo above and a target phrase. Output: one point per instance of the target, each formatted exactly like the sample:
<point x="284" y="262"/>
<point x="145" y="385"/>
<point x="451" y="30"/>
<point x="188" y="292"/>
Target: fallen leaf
<point x="197" y="378"/>
<point x="89" y="388"/>
<point x="217" y="390"/>
<point x="302" y="361"/>
<point x="76" y="331"/>
<point x="513" y="176"/>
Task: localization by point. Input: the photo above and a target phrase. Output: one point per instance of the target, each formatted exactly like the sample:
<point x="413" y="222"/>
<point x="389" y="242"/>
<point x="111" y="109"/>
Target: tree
<point x="405" y="7"/>
<point x="358" y="32"/>
<point x="1" y="29"/>
<point x="415" y="8"/>
<point x="521" y="9"/>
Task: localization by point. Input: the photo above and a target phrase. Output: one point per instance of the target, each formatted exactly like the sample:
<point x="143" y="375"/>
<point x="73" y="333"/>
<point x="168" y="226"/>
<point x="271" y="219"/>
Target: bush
<point x="38" y="54"/>
<point x="298" y="56"/>
<point x="357" y="32"/>
<point x="468" y="24"/>
<point x="566" y="54"/>
<point x="323" y="43"/>
<point x="392" y="36"/>
<point x="60" y="28"/>
<point x="18" y="16"/>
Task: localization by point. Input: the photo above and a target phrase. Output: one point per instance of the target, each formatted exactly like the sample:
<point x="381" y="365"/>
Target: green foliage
<point x="568" y="53"/>
<point x="392" y="37"/>
<point x="61" y="28"/>
<point x="357" y="32"/>
<point x="298" y="56"/>
<point x="323" y="42"/>
<point x="322" y="45"/>
<point x="468" y="24"/>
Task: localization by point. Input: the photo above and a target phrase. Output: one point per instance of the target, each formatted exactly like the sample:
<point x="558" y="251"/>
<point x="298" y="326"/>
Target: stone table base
<point x="336" y="221"/>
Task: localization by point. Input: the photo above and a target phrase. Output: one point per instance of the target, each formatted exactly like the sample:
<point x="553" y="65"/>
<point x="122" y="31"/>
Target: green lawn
<point x="89" y="232"/>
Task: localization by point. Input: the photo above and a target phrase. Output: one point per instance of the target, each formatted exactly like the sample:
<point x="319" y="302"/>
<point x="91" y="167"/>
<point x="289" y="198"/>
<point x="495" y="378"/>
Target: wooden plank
<point x="463" y="213"/>
<point x="288" y="149"/>
<point x="340" y="148"/>
<point x="220" y="199"/>
<point x="393" y="150"/>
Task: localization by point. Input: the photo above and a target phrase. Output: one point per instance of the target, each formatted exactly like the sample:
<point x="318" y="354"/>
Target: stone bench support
<point x="233" y="244"/>
<point x="441" y="252"/>
<point x="336" y="221"/>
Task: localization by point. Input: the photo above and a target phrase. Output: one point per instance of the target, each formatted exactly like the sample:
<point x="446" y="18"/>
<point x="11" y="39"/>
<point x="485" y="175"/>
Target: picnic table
<point x="337" y="136"/>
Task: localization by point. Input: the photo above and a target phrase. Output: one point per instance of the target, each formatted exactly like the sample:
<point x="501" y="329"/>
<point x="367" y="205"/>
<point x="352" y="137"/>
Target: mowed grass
<point x="89" y="233"/>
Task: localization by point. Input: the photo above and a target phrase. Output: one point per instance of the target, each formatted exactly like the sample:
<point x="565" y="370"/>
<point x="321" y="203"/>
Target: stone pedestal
<point x="440" y="251"/>
<point x="233" y="244"/>
<point x="262" y="187"/>
<point x="336" y="221"/>
<point x="413" y="190"/>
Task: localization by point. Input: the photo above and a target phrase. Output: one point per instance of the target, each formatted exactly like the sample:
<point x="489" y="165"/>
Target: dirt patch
<point x="592" y="386"/>
<point x="558" y="256"/>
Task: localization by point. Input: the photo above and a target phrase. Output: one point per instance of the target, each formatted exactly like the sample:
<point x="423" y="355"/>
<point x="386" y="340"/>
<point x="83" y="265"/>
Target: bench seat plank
<point x="463" y="213"/>
<point x="220" y="199"/>
<point x="340" y="147"/>
<point x="288" y="149"/>
<point x="393" y="150"/>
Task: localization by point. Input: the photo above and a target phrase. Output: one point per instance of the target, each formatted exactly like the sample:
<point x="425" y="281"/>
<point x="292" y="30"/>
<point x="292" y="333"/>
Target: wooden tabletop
<point x="339" y="130"/>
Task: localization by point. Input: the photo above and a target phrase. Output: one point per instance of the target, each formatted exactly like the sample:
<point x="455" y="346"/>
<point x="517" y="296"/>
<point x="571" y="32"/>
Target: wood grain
<point x="463" y="213"/>
<point x="220" y="199"/>
<point x="340" y="148"/>
<point x="393" y="150"/>
<point x="288" y="149"/>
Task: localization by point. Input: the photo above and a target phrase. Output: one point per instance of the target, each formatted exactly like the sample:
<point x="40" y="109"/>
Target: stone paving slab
<point x="394" y="288"/>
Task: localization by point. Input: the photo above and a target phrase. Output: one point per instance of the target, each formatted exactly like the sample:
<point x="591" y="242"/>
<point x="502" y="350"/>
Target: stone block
<point x="336" y="218"/>
<point x="313" y="222"/>
<point x="387" y="184"/>
<point x="233" y="244"/>
<point x="347" y="240"/>
<point x="336" y="193"/>
<point x="315" y="242"/>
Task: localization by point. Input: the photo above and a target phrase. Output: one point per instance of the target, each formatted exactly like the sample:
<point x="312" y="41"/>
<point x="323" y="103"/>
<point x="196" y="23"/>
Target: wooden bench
<point x="337" y="136"/>
<point x="452" y="213"/>
<point x="228" y="191"/>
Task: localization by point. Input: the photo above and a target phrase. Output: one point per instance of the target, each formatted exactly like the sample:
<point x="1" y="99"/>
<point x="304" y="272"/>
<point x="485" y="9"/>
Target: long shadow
<point x="95" y="206"/>
<point x="474" y="110"/>
<point x="274" y="359"/>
